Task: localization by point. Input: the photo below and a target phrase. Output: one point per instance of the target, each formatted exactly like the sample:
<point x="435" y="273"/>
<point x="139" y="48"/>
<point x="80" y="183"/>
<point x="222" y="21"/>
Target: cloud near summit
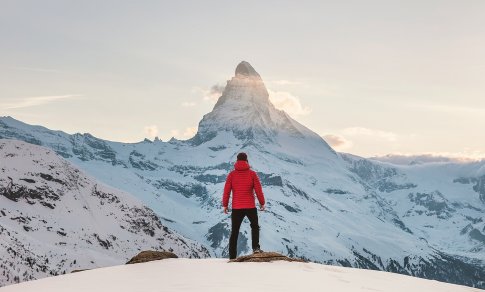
<point x="212" y="94"/>
<point x="338" y="142"/>
<point x="282" y="100"/>
<point x="288" y="102"/>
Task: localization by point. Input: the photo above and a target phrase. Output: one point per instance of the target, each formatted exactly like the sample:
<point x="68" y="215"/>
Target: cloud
<point x="151" y="131"/>
<point x="281" y="99"/>
<point x="213" y="93"/>
<point x="185" y="134"/>
<point x="347" y="138"/>
<point x="338" y="142"/>
<point x="41" y="70"/>
<point x="23" y="102"/>
<point x="288" y="102"/>
<point x="360" y="131"/>
<point x="188" y="104"/>
<point x="464" y="156"/>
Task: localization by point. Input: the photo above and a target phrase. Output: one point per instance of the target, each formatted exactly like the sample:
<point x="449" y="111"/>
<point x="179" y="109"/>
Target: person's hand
<point x="262" y="208"/>
<point x="226" y="211"/>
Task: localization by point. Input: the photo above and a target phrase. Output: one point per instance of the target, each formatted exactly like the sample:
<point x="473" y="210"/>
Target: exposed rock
<point x="265" y="257"/>
<point x="80" y="270"/>
<point x="217" y="233"/>
<point x="245" y="69"/>
<point x="150" y="255"/>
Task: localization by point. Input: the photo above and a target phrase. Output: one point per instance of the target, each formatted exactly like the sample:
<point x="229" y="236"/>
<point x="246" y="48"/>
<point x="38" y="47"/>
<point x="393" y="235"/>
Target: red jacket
<point x="243" y="182"/>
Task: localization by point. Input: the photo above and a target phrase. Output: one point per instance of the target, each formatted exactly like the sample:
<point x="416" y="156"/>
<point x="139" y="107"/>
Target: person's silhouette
<point x="243" y="182"/>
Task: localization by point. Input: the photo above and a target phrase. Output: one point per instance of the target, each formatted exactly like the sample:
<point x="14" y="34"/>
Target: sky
<point x="371" y="77"/>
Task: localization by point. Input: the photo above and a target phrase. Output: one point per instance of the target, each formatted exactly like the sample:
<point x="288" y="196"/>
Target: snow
<point x="211" y="275"/>
<point x="326" y="207"/>
<point x="63" y="219"/>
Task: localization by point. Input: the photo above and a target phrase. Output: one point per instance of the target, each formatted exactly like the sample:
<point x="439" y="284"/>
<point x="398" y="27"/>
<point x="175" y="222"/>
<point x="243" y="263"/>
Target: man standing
<point x="243" y="182"/>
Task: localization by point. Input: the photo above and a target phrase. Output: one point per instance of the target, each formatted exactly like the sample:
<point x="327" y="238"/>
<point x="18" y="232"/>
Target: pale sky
<point x="372" y="77"/>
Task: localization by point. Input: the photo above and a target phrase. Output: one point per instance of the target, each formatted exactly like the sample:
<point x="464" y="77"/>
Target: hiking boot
<point x="258" y="250"/>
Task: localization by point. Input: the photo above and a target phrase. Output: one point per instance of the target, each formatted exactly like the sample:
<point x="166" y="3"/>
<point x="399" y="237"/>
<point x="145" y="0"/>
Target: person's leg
<point x="237" y="217"/>
<point x="253" y="219"/>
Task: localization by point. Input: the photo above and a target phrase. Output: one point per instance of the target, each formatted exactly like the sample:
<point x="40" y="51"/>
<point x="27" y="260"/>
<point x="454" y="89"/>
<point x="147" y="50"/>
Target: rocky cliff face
<point x="55" y="219"/>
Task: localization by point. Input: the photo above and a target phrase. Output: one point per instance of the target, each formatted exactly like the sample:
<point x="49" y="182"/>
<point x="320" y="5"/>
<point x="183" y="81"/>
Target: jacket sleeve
<point x="227" y="191"/>
<point x="258" y="189"/>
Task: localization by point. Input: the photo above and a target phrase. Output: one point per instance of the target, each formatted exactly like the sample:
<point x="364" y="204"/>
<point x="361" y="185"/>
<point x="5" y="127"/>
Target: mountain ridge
<point x="54" y="218"/>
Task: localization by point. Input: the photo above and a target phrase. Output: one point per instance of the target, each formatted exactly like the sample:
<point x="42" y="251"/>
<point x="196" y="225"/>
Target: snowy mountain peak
<point x="244" y="109"/>
<point x="245" y="69"/>
<point x="245" y="89"/>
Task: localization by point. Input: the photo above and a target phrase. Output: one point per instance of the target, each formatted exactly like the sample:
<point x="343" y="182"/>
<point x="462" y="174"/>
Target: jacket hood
<point x="241" y="165"/>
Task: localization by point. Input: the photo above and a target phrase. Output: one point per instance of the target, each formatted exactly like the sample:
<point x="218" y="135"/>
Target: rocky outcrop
<point x="150" y="255"/>
<point x="55" y="219"/>
<point x="245" y="69"/>
<point x="265" y="257"/>
<point x="80" y="270"/>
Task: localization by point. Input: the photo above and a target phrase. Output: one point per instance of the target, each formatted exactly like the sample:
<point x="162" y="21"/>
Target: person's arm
<point x="227" y="192"/>
<point x="259" y="190"/>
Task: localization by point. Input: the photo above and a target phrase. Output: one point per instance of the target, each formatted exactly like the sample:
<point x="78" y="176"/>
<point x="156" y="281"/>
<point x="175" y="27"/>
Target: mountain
<point x="55" y="219"/>
<point x="205" y="275"/>
<point x="423" y="220"/>
<point x="418" y="159"/>
<point x="245" y="112"/>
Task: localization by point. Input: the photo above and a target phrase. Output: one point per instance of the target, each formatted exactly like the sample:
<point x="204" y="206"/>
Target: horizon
<point x="410" y="73"/>
<point x="391" y="158"/>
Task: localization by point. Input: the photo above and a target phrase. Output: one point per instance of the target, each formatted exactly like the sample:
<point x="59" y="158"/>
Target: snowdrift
<point x="220" y="275"/>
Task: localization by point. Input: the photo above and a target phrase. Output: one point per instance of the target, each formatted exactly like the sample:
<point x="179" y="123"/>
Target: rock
<point x="266" y="257"/>
<point x="245" y="69"/>
<point x="150" y="255"/>
<point x="81" y="270"/>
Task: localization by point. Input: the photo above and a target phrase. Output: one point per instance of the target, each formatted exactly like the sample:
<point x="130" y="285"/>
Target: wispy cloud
<point x="23" y="102"/>
<point x="338" y="142"/>
<point x="151" y="131"/>
<point x="347" y="138"/>
<point x="466" y="155"/>
<point x="184" y="134"/>
<point x="212" y="94"/>
<point x="288" y="102"/>
<point x="282" y="100"/>
<point x="41" y="70"/>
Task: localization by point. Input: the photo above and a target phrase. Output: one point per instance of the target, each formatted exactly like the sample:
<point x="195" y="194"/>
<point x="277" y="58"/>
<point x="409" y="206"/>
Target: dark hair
<point x="242" y="156"/>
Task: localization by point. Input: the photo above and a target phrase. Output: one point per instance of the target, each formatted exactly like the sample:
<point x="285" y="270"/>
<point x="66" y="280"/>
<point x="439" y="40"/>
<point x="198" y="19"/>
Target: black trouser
<point x="237" y="217"/>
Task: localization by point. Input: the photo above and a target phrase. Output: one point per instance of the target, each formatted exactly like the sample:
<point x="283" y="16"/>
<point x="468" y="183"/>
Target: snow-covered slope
<point x="218" y="275"/>
<point x="423" y="220"/>
<point x="54" y="218"/>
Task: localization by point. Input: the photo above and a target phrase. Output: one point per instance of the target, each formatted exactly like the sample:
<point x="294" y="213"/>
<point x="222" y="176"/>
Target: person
<point x="243" y="182"/>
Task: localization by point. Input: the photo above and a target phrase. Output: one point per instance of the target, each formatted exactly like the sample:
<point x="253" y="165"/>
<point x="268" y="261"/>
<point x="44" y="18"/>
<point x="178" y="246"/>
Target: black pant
<point x="237" y="217"/>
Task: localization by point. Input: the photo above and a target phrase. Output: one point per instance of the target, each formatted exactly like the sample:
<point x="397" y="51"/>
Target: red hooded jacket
<point x="243" y="182"/>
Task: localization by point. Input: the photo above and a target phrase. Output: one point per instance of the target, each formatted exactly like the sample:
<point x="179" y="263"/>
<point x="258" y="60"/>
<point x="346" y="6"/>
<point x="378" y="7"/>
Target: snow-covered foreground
<point x="219" y="275"/>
